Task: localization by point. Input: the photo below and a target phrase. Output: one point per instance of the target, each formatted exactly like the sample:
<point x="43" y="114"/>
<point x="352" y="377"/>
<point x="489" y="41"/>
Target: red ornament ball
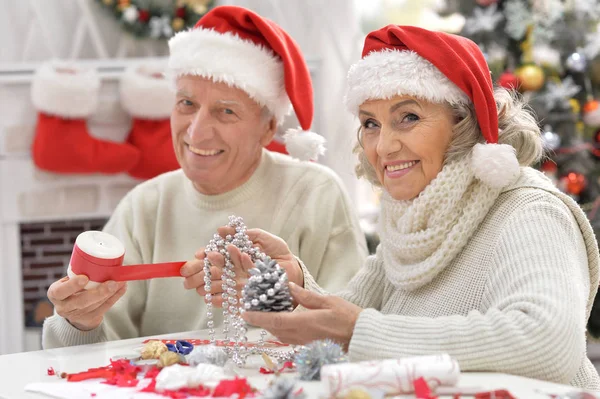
<point x="144" y="15"/>
<point x="509" y="80"/>
<point x="591" y="113"/>
<point x="180" y="12"/>
<point x="549" y="166"/>
<point x="574" y="183"/>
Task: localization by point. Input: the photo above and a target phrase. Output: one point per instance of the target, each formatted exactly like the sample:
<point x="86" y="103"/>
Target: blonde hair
<point x="517" y="128"/>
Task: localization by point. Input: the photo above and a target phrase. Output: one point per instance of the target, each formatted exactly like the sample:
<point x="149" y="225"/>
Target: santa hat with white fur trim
<point x="437" y="67"/>
<point x="237" y="46"/>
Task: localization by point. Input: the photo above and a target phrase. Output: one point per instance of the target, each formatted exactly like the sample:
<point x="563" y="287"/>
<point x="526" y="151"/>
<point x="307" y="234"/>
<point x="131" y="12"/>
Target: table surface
<point x="18" y="370"/>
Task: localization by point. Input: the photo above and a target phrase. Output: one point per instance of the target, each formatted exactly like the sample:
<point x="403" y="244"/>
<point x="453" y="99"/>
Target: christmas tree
<point x="548" y="50"/>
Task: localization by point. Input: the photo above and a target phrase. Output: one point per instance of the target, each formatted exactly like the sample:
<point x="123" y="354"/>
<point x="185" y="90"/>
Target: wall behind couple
<point x="328" y="32"/>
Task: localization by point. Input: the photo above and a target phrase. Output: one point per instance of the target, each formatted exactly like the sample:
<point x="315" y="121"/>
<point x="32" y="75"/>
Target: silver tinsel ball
<point x="550" y="139"/>
<point x="312" y="357"/>
<point x="576" y="62"/>
<point x="210" y="354"/>
<point x="283" y="388"/>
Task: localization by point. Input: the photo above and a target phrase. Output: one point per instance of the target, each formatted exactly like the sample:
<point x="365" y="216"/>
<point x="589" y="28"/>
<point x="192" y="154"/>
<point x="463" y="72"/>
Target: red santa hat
<point x="237" y="46"/>
<point x="437" y="67"/>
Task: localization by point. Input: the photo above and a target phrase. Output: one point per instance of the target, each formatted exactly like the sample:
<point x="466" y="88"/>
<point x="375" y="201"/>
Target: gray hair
<point x="517" y="128"/>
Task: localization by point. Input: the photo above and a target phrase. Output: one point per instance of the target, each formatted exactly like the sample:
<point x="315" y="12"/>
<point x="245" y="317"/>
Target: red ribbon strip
<point x="101" y="270"/>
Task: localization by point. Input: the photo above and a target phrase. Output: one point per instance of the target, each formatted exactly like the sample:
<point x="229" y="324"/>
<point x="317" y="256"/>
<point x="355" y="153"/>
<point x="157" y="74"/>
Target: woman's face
<point x="405" y="140"/>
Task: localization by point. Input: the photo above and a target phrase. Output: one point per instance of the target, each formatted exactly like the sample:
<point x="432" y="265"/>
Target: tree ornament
<point x="131" y="14"/>
<point x="575" y="106"/>
<point x="178" y="24"/>
<point x="576" y="62"/>
<point x="267" y="289"/>
<point x="546" y="56"/>
<point x="180" y="12"/>
<point x="509" y="80"/>
<point x="531" y="77"/>
<point x="558" y="93"/>
<point x="283" y="388"/>
<point x="591" y="113"/>
<point x="123" y="4"/>
<point x="550" y="139"/>
<point x="574" y="183"/>
<point x="208" y="354"/>
<point x="310" y="358"/>
<point x="144" y="15"/>
<point x="483" y="20"/>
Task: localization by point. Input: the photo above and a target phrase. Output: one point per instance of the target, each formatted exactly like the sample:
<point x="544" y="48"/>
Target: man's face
<point x="218" y="134"/>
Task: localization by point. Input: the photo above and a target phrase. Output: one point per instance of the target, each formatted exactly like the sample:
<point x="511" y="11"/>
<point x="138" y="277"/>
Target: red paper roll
<point x="99" y="256"/>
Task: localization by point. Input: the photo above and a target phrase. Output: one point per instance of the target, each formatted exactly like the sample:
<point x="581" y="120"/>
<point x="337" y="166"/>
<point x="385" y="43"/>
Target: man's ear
<point x="270" y="130"/>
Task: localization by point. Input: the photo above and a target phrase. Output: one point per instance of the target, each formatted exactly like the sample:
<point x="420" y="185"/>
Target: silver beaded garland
<point x="232" y="321"/>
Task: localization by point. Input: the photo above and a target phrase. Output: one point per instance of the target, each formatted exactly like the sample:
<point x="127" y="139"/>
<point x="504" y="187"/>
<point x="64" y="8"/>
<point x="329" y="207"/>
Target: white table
<point x="18" y="370"/>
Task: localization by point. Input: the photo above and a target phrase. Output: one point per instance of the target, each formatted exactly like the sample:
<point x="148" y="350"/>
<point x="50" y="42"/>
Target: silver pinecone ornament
<point x="267" y="289"/>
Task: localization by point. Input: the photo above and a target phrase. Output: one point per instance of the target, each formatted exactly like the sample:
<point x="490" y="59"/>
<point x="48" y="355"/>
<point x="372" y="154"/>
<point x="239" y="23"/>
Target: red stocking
<point x="64" y="98"/>
<point x="146" y="96"/>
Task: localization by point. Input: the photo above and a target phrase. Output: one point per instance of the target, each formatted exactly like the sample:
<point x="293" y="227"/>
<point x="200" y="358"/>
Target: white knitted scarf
<point x="420" y="237"/>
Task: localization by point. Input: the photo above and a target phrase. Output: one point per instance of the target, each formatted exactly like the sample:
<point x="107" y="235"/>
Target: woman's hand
<point x="328" y="317"/>
<point x="278" y="250"/>
<point x="193" y="271"/>
<point x="268" y="243"/>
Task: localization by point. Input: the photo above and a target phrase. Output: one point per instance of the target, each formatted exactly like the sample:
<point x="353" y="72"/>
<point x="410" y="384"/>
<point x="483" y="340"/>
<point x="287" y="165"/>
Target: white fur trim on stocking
<point x="495" y="164"/>
<point x="72" y="93"/>
<point x="146" y="93"/>
<point x="304" y="145"/>
<point x="389" y="73"/>
<point x="227" y="58"/>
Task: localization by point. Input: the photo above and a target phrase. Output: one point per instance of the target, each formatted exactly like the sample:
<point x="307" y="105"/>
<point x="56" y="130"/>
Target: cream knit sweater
<point x="515" y="299"/>
<point x="166" y="219"/>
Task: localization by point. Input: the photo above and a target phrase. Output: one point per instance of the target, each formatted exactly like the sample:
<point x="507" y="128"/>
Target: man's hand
<point x="84" y="309"/>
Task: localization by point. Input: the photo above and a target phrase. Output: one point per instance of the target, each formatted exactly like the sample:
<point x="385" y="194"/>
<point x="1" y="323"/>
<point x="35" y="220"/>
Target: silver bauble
<point x="551" y="140"/>
<point x="576" y="62"/>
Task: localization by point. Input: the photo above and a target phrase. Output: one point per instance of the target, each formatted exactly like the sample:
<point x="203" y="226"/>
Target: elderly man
<point x="235" y="75"/>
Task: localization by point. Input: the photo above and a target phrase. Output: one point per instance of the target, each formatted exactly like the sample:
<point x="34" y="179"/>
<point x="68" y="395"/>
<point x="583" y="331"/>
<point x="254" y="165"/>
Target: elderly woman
<point x="237" y="76"/>
<point x="481" y="257"/>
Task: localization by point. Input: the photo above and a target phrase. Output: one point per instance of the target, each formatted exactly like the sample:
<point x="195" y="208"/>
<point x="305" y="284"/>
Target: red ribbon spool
<point x="99" y="256"/>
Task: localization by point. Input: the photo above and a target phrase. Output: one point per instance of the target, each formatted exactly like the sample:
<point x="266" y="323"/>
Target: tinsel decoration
<point x="267" y="289"/>
<point x="209" y="354"/>
<point x="310" y="358"/>
<point x="283" y="388"/>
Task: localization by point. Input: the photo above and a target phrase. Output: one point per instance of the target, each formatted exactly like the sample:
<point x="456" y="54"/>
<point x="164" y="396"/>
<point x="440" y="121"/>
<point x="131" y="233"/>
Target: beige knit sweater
<point x="514" y="300"/>
<point x="165" y="219"/>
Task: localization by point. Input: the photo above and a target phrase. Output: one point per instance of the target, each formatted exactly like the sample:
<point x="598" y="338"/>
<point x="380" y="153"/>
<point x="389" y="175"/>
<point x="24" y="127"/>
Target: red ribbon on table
<point x="100" y="270"/>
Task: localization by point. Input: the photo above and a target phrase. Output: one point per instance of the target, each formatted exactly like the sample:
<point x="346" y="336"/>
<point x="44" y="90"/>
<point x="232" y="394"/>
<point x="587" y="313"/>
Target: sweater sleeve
<point x="532" y="318"/>
<point x="364" y="290"/>
<point x="122" y="320"/>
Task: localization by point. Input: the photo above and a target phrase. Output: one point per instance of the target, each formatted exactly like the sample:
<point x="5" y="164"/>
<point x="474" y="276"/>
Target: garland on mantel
<point x="146" y="19"/>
